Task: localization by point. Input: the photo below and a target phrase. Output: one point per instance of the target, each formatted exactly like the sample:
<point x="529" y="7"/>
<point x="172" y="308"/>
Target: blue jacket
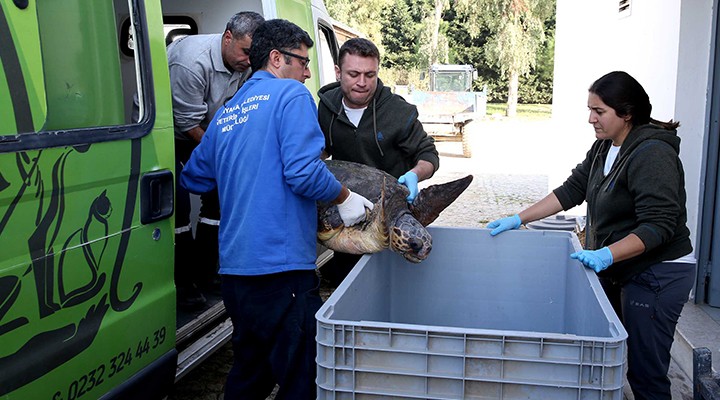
<point x="262" y="151"/>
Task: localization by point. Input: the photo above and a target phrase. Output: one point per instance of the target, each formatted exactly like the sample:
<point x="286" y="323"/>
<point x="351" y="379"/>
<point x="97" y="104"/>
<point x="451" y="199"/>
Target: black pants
<point x="196" y="258"/>
<point x="273" y="336"/>
<point x="649" y="306"/>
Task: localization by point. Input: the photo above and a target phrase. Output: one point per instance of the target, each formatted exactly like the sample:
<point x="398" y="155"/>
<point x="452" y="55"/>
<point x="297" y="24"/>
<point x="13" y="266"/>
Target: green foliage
<point x="365" y="16"/>
<point x="536" y="87"/>
<point x="524" y="111"/>
<point x="399" y="35"/>
<point x="405" y="77"/>
<point x="468" y="33"/>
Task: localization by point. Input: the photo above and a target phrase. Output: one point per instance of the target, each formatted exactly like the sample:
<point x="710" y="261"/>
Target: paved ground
<point x="511" y="165"/>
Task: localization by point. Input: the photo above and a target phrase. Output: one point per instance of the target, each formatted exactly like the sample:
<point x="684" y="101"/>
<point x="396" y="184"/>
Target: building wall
<point x="664" y="44"/>
<point x="692" y="97"/>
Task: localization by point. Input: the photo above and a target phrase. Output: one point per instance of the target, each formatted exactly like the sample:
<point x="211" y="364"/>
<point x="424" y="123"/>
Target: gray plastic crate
<point x="509" y="317"/>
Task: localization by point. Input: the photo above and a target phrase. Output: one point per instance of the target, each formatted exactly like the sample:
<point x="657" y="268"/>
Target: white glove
<point x="352" y="210"/>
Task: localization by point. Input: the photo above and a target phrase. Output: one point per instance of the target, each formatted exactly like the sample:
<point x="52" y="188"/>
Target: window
<point x="175" y="27"/>
<point x="74" y="87"/>
<point x="327" y="54"/>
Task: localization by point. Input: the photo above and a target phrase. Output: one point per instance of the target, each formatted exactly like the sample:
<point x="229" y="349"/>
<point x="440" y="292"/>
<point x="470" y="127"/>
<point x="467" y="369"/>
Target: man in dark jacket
<point x="364" y="122"/>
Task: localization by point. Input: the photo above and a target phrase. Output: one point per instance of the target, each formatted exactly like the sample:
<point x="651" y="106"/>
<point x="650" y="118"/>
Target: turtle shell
<point x="392" y="223"/>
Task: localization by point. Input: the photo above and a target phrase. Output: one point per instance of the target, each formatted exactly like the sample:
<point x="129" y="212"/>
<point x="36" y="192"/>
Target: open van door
<point x="87" y="294"/>
<point x="86" y="283"/>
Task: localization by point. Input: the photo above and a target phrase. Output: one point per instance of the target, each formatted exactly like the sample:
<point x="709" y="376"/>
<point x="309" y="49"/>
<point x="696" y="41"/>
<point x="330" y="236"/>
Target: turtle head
<point x="410" y="239"/>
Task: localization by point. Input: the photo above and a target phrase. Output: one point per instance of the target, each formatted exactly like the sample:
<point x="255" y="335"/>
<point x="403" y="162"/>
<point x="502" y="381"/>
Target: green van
<point x="87" y="298"/>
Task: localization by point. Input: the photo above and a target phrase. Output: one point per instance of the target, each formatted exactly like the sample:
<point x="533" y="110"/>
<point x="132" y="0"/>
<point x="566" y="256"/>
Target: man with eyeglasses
<point x="262" y="153"/>
<point x="205" y="71"/>
<point x="364" y="122"/>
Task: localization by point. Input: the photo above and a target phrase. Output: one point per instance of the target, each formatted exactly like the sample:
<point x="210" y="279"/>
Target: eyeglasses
<point x="305" y="60"/>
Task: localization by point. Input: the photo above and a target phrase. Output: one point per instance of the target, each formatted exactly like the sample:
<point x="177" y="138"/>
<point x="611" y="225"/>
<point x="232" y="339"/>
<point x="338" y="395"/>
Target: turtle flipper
<point x="432" y="200"/>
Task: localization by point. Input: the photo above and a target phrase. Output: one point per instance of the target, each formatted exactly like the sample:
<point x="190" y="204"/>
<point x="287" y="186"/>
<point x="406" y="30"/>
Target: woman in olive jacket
<point x="633" y="181"/>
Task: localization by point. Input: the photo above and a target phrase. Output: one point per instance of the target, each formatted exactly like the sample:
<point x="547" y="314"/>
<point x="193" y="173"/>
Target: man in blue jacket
<point x="262" y="152"/>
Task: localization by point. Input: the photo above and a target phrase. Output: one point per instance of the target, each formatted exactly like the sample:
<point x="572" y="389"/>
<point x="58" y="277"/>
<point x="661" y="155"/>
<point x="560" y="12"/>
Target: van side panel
<point x="87" y="299"/>
<point x="22" y="88"/>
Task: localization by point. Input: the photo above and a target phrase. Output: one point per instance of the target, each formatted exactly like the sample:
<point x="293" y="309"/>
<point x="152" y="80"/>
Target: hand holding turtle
<point x="597" y="260"/>
<point x="410" y="180"/>
<point x="504" y="224"/>
<point x="352" y="210"/>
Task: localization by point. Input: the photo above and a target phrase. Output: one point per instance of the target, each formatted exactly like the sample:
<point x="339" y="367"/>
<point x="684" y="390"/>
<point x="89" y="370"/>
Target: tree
<point x="364" y="16"/>
<point x="438" y="43"/>
<point x="517" y="33"/>
<point x="399" y="36"/>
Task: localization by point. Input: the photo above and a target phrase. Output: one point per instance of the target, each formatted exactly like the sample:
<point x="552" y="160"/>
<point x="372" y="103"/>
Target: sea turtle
<point x="392" y="222"/>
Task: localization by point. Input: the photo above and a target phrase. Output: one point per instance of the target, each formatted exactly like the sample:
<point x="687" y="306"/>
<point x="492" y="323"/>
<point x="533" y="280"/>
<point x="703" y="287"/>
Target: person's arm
<point x="344" y="193"/>
<point x="549" y="205"/>
<point x="546" y="207"/>
<point x="189" y="107"/>
<point x="195" y="133"/>
<point x="198" y="175"/>
<point x="423" y="170"/>
<point x="600" y="259"/>
<point x="304" y="172"/>
<point x="654" y="179"/>
<point x="352" y="206"/>
<point x="416" y="144"/>
<point x="628" y="247"/>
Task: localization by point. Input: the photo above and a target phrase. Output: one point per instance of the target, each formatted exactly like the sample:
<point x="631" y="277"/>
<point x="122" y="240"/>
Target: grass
<point x="524" y="111"/>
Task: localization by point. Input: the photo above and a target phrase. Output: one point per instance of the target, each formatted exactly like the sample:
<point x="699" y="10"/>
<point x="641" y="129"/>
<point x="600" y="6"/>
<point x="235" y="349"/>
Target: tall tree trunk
<point x="512" y="94"/>
<point x="437" y="16"/>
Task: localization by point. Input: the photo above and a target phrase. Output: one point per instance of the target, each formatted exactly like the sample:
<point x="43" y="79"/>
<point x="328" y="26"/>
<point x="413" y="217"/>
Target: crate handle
<point x="328" y="311"/>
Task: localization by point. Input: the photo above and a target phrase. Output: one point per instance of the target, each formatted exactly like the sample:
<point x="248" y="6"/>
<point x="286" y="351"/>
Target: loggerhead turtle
<point x="392" y="222"/>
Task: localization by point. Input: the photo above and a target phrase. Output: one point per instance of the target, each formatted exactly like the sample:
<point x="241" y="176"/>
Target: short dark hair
<point x="276" y="34"/>
<point x="358" y="47"/>
<point x="244" y="24"/>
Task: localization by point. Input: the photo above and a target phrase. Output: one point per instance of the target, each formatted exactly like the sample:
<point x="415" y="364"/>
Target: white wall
<point x="692" y="99"/>
<point x="664" y="44"/>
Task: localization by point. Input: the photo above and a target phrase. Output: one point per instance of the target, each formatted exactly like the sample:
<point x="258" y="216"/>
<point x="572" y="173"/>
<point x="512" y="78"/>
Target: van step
<point x="203" y="348"/>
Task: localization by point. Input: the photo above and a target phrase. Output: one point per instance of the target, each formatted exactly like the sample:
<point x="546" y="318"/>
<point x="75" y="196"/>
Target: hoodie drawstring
<point x="375" y="133"/>
<point x="332" y="121"/>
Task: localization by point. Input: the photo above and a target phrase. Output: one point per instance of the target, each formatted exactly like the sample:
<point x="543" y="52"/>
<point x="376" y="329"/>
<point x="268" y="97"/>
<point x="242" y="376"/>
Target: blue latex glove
<point x="504" y="224"/>
<point x="410" y="180"/>
<point x="597" y="260"/>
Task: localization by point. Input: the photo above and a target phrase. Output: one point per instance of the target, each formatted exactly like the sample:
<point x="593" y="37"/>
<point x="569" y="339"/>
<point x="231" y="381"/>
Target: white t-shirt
<point x="353" y="114"/>
<point x="610" y="159"/>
